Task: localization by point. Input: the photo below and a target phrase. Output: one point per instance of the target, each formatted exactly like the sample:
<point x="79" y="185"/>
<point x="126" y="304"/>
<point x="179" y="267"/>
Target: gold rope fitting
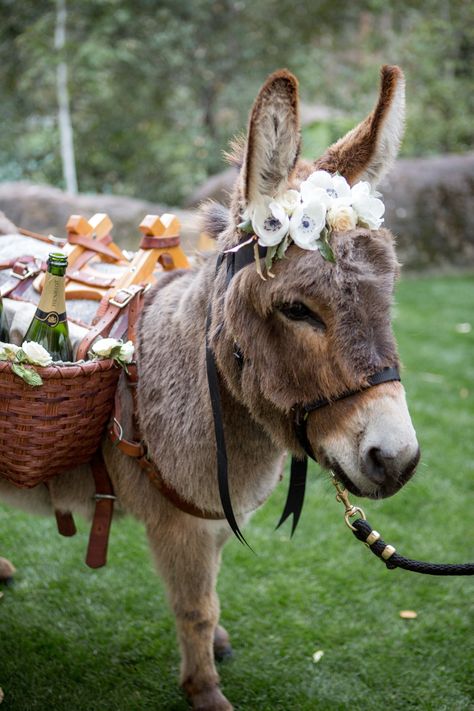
<point x="372" y="538"/>
<point x="343" y="497"/>
<point x="387" y="552"/>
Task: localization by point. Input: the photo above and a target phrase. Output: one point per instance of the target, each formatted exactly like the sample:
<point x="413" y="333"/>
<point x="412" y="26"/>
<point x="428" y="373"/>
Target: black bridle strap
<point x="222" y="476"/>
<point x="299" y="467"/>
<point x="296" y="491"/>
<point x="234" y="261"/>
<point x="381" y="376"/>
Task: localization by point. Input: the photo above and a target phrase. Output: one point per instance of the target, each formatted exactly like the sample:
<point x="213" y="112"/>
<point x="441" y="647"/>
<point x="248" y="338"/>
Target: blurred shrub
<point x="157" y="89"/>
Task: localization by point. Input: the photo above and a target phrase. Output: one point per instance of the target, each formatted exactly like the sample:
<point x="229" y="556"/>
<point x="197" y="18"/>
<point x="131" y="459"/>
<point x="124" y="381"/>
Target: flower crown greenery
<point x="323" y="204"/>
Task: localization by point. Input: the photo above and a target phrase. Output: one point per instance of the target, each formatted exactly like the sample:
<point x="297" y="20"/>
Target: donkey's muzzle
<point x="389" y="473"/>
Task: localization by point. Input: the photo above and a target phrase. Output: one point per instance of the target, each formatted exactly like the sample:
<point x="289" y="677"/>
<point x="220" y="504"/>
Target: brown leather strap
<point x="64" y="519"/>
<point x="23" y="270"/>
<point x="84" y="277"/>
<point x="93" y="245"/>
<point x="150" y="242"/>
<point x="172" y="495"/>
<point x="65" y="523"/>
<point x="102" y="328"/>
<point x="42" y="238"/>
<point x="104" y="507"/>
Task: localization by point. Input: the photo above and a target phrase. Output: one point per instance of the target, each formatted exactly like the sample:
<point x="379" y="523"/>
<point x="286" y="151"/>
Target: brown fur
<point x="352" y="155"/>
<point x="285" y="363"/>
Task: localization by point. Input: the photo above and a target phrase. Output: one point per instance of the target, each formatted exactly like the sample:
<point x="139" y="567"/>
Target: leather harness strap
<point x="94" y="245"/>
<point x="136" y="449"/>
<point x="151" y="242"/>
<point x="114" y="306"/>
<point x="23" y="270"/>
<point x="104" y="506"/>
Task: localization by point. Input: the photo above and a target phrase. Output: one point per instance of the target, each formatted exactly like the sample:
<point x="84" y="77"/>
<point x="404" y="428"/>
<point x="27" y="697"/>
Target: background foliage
<point x="157" y="88"/>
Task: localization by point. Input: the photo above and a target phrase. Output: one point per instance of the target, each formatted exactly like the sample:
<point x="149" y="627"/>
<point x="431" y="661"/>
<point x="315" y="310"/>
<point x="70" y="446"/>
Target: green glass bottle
<point x="49" y="325"/>
<point x="3" y="324"/>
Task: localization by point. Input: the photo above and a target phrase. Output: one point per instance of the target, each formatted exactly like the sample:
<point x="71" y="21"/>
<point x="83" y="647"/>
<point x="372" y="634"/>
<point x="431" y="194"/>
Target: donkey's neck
<point x="174" y="405"/>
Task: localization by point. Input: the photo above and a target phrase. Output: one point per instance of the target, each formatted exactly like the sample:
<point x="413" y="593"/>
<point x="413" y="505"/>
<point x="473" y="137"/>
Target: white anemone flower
<point x="369" y="208"/>
<point x="270" y="223"/>
<point x="326" y="188"/>
<point x="306" y="224"/>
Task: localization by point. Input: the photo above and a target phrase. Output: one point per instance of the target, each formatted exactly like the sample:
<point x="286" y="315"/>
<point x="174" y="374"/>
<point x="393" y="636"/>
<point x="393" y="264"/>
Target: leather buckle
<point x="24" y="270"/>
<point x="128" y="293"/>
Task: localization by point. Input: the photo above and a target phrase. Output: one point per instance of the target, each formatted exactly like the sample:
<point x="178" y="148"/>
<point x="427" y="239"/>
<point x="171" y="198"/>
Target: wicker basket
<point x="48" y="429"/>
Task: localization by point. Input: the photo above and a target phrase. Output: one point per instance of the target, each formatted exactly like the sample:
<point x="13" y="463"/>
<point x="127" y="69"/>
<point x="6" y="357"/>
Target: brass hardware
<point x="387" y="552"/>
<point x="343" y="497"/>
<point x="372" y="538"/>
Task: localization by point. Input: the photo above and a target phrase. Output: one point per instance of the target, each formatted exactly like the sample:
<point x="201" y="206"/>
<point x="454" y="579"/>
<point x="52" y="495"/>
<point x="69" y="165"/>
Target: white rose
<point x="341" y="217"/>
<point x="36" y="354"/>
<point x="126" y="352"/>
<point x="103" y="346"/>
<point x="289" y="201"/>
<point x="270" y="223"/>
<point x="306" y="224"/>
<point x="369" y="208"/>
<point x="8" y="351"/>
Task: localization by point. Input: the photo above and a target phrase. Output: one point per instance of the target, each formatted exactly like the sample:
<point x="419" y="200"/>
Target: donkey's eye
<point x="297" y="311"/>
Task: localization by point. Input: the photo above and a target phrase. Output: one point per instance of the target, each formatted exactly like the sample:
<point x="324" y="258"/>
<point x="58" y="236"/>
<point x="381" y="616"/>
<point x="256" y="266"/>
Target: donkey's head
<point x="319" y="328"/>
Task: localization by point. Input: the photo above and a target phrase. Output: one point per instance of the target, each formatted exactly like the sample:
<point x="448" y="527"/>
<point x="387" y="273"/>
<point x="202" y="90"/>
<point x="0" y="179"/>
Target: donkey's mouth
<point x="383" y="490"/>
<point x="344" y="479"/>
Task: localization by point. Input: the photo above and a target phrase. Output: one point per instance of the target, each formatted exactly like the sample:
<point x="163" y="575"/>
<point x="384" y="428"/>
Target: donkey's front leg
<point x="188" y="558"/>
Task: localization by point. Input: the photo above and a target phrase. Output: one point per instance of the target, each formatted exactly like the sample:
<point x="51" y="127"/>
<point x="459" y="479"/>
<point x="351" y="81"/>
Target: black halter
<point x="295" y="498"/>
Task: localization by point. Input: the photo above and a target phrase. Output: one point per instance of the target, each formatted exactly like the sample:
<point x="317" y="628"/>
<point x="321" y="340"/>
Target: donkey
<point x="316" y="330"/>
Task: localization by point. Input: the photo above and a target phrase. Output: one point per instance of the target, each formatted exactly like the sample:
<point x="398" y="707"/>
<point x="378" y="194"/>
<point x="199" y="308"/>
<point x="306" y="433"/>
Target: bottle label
<point x="52" y="306"/>
<point x="51" y="318"/>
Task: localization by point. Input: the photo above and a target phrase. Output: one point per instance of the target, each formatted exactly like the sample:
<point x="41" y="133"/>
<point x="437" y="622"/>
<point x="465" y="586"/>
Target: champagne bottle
<point x="49" y="325"/>
<point x="3" y="324"/>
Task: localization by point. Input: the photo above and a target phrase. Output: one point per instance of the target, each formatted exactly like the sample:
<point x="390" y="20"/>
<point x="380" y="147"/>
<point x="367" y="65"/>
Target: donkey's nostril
<point x="375" y="465"/>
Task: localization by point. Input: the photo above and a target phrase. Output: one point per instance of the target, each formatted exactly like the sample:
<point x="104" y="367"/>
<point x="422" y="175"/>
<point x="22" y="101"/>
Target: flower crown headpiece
<point x="308" y="216"/>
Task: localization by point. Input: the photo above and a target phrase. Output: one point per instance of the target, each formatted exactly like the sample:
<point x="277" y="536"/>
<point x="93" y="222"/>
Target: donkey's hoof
<point x="211" y="700"/>
<point x="222" y="646"/>
<point x="7" y="570"/>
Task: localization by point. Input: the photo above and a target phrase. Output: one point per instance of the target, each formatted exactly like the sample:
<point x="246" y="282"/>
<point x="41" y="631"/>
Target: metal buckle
<point x="120" y="430"/>
<point x="29" y="270"/>
<point x="343" y="497"/>
<point x="130" y="293"/>
<point x="105" y="497"/>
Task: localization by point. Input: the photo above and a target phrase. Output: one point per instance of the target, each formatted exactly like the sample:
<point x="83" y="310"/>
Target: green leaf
<point x="282" y="247"/>
<point x="29" y="375"/>
<point x="246" y="226"/>
<point x="115" y="351"/>
<point x="269" y="257"/>
<point x="20" y="356"/>
<point x="326" y="251"/>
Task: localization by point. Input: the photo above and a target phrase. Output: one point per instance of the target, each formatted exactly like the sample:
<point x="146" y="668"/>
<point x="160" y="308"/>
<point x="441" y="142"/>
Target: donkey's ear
<point x="368" y="151"/>
<point x="273" y="138"/>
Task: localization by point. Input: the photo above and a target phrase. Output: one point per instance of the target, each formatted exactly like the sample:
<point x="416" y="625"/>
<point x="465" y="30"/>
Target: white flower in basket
<point x="31" y="353"/>
<point x="36" y="354"/>
<point x="121" y="352"/>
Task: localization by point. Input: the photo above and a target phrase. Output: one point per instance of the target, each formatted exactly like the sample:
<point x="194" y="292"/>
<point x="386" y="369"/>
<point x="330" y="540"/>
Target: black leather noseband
<point x="301" y="412"/>
<point x="235" y="261"/>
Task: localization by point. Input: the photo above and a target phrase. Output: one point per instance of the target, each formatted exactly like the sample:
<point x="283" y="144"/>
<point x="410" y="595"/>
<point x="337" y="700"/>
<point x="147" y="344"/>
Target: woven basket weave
<point x="48" y="429"/>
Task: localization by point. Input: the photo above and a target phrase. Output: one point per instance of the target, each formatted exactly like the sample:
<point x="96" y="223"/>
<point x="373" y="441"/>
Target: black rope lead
<point x="387" y="553"/>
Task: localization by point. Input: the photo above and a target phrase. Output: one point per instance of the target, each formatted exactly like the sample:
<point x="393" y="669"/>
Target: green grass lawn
<point x="75" y="639"/>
